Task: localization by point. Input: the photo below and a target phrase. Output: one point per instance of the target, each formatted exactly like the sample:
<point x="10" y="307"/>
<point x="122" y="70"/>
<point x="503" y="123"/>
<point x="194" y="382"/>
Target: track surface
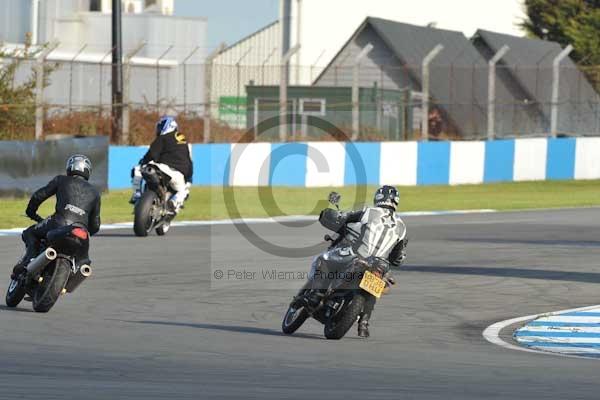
<point x="149" y="326"/>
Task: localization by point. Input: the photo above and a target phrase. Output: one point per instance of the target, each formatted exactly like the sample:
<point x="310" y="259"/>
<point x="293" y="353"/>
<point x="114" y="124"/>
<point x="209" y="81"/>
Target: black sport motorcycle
<point x="60" y="268"/>
<point x="151" y="210"/>
<point x="344" y="282"/>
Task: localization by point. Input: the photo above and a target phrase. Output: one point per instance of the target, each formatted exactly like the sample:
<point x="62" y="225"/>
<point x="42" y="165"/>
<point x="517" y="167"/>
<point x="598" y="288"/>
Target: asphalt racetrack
<point x="150" y="325"/>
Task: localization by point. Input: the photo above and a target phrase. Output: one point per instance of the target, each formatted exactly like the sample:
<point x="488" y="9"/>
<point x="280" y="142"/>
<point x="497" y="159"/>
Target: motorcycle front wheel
<point x="293" y="319"/>
<point x="16" y="292"/>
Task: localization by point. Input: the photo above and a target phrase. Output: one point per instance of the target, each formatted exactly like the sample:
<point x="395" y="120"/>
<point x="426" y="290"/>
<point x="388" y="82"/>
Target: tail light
<point x="80" y="233"/>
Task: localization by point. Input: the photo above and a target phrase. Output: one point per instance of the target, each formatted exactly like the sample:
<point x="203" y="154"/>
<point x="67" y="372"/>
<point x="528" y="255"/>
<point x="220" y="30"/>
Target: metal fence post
<point x="425" y="74"/>
<point x="158" y="60"/>
<point x="356" y="90"/>
<point x="238" y="74"/>
<point x="491" y="132"/>
<point x="264" y="63"/>
<point x="556" y="87"/>
<point x="185" y="60"/>
<point x="71" y="76"/>
<point x="283" y="84"/>
<point x="127" y="92"/>
<point x="39" y="90"/>
<point x="100" y="81"/>
<point x="208" y="71"/>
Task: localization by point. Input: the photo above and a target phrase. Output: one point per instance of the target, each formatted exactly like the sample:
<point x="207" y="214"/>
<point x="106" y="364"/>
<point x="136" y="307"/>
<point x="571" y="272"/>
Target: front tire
<point x="16" y="292"/>
<point x="144" y="210"/>
<point x="293" y="319"/>
<point x="337" y="326"/>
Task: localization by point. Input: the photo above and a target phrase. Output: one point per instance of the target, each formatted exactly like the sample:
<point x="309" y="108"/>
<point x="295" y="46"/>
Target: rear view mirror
<point x="334" y="198"/>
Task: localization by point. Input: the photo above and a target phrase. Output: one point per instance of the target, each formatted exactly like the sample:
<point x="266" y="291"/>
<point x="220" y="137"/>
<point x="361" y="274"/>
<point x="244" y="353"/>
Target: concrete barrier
<point x="321" y="164"/>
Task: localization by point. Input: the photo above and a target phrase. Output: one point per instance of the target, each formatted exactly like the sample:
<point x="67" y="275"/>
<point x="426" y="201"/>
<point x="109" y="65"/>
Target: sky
<point x="230" y="20"/>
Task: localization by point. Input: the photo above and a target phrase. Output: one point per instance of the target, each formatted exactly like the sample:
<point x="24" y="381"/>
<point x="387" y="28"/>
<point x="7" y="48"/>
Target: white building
<point x="83" y="30"/>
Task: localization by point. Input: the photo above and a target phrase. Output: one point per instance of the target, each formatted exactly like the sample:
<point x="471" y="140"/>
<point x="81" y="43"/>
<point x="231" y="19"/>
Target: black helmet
<point x="79" y="164"/>
<point x="387" y="197"/>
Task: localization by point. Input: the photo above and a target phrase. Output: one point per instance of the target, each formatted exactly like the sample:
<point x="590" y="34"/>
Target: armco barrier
<point x="320" y="164"/>
<point x="27" y="166"/>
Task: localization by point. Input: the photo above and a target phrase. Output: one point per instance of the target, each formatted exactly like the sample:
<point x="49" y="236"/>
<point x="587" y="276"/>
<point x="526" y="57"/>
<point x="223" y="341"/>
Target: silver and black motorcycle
<point x="60" y="268"/>
<point x="341" y="282"/>
<point x="151" y="210"/>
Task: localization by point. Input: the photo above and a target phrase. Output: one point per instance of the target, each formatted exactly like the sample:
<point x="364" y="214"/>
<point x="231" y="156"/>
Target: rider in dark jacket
<point x="77" y="201"/>
<point x="170" y="153"/>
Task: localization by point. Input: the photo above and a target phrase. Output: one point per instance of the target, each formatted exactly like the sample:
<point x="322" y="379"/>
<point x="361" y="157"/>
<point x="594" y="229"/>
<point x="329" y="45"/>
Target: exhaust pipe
<point x="76" y="279"/>
<point x="37" y="264"/>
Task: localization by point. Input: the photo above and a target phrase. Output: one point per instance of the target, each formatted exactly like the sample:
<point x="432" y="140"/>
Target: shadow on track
<point x="227" y="328"/>
<point x="25" y="310"/>
<point x="535" y="242"/>
<point x="523" y="273"/>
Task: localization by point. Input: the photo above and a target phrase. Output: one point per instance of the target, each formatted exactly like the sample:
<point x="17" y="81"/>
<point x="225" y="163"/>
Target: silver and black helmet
<point x="387" y="196"/>
<point x="79" y="164"/>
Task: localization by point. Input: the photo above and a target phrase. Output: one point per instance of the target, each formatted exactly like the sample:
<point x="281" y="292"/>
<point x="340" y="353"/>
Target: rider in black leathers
<point x="77" y="202"/>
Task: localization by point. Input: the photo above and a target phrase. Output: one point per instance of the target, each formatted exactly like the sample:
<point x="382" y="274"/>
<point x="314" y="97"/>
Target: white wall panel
<point x="398" y="163"/>
<point x="250" y="164"/>
<point x="467" y="161"/>
<point x="530" y="159"/>
<point x="325" y="165"/>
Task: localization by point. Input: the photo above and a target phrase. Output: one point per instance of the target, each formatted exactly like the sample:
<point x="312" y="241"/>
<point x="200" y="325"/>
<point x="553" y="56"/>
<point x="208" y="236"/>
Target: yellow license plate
<point x="372" y="284"/>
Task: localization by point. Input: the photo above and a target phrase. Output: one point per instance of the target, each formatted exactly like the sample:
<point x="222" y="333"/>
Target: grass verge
<point x="216" y="203"/>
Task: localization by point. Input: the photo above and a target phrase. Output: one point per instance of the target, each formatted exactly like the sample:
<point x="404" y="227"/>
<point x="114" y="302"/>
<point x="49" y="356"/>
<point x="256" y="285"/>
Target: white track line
<point x="492" y="332"/>
<point x="290" y="218"/>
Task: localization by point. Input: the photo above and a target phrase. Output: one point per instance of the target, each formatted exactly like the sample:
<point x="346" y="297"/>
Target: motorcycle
<point x="60" y="268"/>
<point x="349" y="281"/>
<point x="151" y="211"/>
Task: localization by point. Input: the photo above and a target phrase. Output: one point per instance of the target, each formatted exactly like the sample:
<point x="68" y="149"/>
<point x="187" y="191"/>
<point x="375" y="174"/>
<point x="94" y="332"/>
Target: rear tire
<point x="293" y="319"/>
<point x="16" y="292"/>
<point x="339" y="325"/>
<point x="48" y="292"/>
<point x="143" y="220"/>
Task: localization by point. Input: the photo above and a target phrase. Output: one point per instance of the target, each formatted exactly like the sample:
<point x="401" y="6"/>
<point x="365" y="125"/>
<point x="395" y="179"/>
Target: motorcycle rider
<point x="370" y="232"/>
<point x="171" y="154"/>
<point x="77" y="202"/>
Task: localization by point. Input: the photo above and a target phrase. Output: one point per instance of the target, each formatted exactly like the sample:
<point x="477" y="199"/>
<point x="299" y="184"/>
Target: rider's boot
<point x="363" y="326"/>
<point x="21" y="265"/>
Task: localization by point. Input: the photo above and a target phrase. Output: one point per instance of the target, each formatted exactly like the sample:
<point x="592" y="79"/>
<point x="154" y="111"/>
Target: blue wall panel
<point x="362" y="163"/>
<point x="499" y="161"/>
<point x="120" y="161"/>
<point x="211" y="164"/>
<point x="433" y="163"/>
<point x="560" y="162"/>
<point x="288" y="164"/>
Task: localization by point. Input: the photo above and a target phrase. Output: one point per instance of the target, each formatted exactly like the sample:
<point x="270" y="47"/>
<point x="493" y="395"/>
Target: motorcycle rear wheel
<point x="143" y="220"/>
<point x="337" y="326"/>
<point x="48" y="292"/>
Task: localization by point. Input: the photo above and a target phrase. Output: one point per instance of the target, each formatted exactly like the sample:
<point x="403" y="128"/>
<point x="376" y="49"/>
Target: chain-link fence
<point x="222" y="103"/>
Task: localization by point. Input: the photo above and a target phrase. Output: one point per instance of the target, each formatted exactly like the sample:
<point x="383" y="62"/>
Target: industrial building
<point x="83" y="30"/>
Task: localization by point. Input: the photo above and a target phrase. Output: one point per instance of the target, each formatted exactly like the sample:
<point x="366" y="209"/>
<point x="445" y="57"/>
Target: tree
<point x="575" y="22"/>
<point x="17" y="91"/>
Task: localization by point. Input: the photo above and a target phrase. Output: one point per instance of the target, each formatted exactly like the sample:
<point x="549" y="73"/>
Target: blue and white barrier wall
<point x="321" y="164"/>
